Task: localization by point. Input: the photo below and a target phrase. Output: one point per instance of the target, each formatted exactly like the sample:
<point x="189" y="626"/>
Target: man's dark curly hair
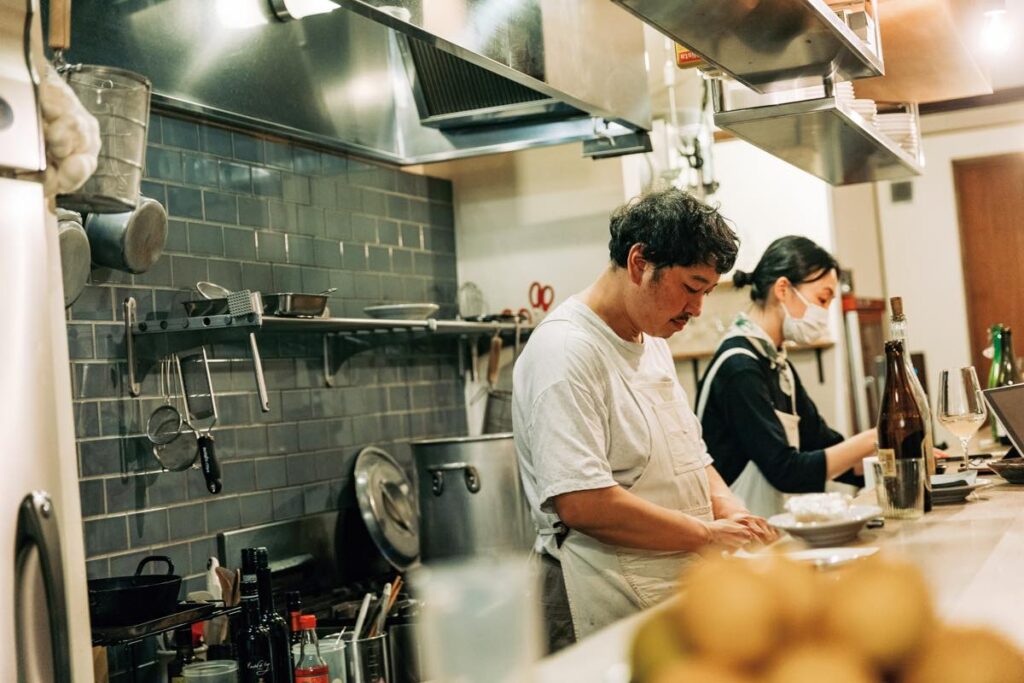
<point x="675" y="229"/>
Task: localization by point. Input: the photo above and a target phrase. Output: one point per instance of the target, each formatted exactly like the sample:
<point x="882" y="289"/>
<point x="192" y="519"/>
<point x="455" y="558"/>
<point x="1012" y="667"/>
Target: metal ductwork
<point x="404" y="81"/>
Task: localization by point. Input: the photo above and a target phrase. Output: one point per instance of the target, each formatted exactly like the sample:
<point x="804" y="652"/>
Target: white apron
<point x="606" y="583"/>
<point x="760" y="497"/>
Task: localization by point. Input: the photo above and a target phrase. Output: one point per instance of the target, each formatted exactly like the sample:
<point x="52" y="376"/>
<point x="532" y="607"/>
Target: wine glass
<point x="961" y="407"/>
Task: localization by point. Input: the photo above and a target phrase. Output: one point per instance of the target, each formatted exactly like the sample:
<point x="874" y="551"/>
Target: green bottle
<point x="995" y="372"/>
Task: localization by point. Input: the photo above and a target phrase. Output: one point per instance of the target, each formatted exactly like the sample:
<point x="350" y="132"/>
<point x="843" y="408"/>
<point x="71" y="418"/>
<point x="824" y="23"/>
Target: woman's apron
<point x="605" y="583"/>
<point x="760" y="497"/>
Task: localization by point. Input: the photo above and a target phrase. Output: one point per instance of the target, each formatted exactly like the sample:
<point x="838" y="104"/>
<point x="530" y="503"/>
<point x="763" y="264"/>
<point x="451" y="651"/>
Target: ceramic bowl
<point x="830" y="533"/>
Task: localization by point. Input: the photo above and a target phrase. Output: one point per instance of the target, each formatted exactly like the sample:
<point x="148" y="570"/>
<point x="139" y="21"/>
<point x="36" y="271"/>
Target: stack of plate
<point x="867" y="109"/>
<point x="901" y="128"/>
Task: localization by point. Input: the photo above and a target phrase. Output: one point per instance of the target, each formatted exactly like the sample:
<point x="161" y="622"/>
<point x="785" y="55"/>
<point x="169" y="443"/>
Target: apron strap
<point x="705" y="393"/>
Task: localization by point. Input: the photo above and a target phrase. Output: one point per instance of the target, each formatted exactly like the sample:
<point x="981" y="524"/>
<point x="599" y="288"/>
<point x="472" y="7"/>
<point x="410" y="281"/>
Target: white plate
<point x="402" y="311"/>
<point x="826" y="558"/>
<point x="832" y="532"/>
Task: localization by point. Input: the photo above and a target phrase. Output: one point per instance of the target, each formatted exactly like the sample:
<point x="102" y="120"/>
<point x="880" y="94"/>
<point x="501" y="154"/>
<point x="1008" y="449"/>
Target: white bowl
<point x="832" y="532"/>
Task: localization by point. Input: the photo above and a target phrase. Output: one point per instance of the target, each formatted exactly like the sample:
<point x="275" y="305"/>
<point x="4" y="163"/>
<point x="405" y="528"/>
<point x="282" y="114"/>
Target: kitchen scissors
<point x="541" y="296"/>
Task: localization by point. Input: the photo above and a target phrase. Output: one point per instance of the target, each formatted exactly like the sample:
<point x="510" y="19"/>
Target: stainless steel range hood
<point x="458" y="78"/>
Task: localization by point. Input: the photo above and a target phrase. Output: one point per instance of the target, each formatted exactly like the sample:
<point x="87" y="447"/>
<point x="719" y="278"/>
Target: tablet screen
<point x="1008" y="405"/>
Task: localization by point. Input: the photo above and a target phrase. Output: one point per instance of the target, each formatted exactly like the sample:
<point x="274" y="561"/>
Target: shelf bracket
<point x="328" y="373"/>
<point x="134" y="387"/>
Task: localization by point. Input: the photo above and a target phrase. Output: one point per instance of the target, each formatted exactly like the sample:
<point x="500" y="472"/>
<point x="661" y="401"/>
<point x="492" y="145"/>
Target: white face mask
<point x="808" y="329"/>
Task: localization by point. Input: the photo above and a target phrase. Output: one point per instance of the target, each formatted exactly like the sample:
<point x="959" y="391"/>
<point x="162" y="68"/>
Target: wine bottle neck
<point x="898" y="329"/>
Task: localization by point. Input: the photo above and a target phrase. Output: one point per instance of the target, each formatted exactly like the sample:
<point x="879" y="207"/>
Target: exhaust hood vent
<point x="452" y="93"/>
<point x="440" y="80"/>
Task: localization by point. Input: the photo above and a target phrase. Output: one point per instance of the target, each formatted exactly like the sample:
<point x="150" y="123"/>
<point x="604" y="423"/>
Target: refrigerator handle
<point x="37" y="528"/>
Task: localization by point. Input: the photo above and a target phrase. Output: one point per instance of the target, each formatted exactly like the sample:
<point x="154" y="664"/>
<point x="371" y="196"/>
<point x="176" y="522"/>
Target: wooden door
<point x="990" y="204"/>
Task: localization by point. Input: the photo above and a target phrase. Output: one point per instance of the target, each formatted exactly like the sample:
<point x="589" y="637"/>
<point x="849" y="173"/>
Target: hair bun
<point x="741" y="278"/>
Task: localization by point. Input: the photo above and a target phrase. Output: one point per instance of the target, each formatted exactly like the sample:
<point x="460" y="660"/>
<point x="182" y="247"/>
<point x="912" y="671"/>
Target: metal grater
<point x="244" y="303"/>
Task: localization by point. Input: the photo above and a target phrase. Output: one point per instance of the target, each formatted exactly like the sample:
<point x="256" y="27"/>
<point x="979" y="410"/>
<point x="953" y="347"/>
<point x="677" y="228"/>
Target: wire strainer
<point x="174" y="450"/>
<point x="165" y="421"/>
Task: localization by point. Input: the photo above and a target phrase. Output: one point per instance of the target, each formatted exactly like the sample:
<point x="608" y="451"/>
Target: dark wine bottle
<point x="293" y="600"/>
<point x="898" y="332"/>
<point x="901" y="437"/>
<point x="252" y="641"/>
<point x="280" y="654"/>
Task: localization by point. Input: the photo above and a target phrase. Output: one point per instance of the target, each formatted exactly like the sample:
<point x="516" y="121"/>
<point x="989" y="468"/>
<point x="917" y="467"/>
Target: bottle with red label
<point x="310" y="666"/>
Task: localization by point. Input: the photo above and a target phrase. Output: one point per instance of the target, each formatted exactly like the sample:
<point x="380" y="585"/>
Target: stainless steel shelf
<point x="763" y="44"/>
<point x="270" y="323"/>
<point x="822" y="139"/>
<point x="364" y="332"/>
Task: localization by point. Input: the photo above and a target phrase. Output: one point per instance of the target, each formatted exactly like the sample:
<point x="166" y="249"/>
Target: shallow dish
<point x="1011" y="470"/>
<point x="956" y="494"/>
<point x="402" y="311"/>
<point x="832" y="532"/>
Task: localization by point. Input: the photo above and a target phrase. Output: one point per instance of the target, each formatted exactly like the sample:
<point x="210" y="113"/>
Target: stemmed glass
<point x="961" y="406"/>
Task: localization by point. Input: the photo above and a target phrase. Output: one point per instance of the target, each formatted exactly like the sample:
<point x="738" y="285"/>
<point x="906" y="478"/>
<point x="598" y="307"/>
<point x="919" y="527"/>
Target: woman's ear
<point x="780" y="287"/>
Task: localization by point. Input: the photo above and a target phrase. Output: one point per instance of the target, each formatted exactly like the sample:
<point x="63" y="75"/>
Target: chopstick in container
<point x="388" y="606"/>
<point x="382" y="612"/>
<point x="361" y="619"/>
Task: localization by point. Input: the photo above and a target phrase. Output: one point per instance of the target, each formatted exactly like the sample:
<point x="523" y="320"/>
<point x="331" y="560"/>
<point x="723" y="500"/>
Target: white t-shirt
<point x="576" y="422"/>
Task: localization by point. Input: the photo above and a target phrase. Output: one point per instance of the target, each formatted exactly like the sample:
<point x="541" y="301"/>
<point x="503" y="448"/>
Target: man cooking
<point x="618" y="478"/>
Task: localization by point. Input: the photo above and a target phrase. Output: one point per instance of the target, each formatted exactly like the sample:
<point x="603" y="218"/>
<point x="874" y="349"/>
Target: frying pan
<point x="124" y="600"/>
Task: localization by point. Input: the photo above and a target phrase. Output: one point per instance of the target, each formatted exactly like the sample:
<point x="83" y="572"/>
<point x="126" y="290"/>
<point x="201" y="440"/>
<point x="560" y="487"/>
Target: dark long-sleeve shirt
<point x="740" y="424"/>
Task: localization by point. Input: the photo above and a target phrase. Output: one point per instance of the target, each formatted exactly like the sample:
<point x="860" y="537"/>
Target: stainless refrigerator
<point x="44" y="623"/>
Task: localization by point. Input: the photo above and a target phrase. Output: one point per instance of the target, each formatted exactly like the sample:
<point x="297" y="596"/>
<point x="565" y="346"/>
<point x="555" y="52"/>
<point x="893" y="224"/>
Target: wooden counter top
<point x="972" y="555"/>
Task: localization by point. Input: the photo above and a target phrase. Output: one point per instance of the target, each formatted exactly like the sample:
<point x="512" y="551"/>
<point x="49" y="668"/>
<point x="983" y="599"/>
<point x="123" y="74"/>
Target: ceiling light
<point x="996" y="34"/>
<point x="297" y="9"/>
<point x="241" y="14"/>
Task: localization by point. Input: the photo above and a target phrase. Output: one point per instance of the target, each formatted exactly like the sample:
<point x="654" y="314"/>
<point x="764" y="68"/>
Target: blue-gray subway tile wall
<point x="270" y="216"/>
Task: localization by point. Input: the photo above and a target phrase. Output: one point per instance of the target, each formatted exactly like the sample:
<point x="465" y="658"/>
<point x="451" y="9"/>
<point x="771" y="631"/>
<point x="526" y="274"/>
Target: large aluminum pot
<point x="471" y="499"/>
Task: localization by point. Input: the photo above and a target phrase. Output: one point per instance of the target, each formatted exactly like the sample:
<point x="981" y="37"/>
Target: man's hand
<point x="725" y="533"/>
<point x="762" y="530"/>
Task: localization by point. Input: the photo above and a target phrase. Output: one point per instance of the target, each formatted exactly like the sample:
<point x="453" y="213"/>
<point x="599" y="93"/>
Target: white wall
<point x="858" y="240"/>
<point x="766" y="198"/>
<point x="537" y="215"/>
<point x="921" y="242"/>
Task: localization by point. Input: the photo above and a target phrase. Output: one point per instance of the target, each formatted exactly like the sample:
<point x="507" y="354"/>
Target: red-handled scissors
<point x="541" y="296"/>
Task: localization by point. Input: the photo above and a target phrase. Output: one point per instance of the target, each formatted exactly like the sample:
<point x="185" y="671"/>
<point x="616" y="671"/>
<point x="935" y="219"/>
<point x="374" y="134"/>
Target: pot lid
<point x="388" y="506"/>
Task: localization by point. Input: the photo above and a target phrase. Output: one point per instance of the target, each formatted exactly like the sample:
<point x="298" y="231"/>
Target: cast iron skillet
<point x="124" y="600"/>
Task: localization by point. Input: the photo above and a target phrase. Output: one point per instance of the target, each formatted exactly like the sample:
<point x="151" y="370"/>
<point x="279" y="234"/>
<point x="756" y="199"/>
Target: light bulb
<point x="240" y="14"/>
<point x="996" y="35"/>
<point x="297" y="9"/>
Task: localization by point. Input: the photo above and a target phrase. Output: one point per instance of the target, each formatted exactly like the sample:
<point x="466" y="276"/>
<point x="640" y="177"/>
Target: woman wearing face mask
<point x="760" y="426"/>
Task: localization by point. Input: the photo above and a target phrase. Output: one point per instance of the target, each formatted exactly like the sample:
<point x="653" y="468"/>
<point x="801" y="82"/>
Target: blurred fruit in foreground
<point x="800" y="593"/>
<point x="816" y="663"/>
<point x="966" y="655"/>
<point x="693" y="671"/>
<point x="657" y="644"/>
<point x="770" y="620"/>
<point x="731" y="612"/>
<point x="882" y="609"/>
